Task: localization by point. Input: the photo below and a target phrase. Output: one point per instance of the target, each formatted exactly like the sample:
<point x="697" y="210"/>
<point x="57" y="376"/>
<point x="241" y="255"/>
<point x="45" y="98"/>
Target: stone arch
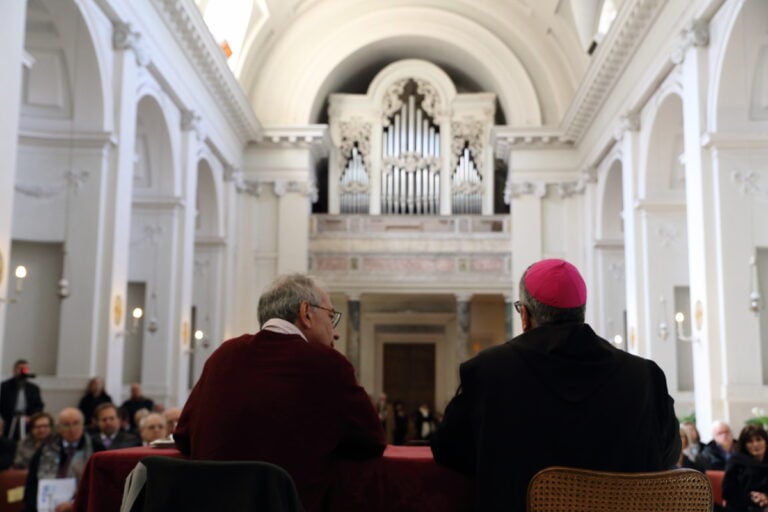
<point x="209" y="219"/>
<point x="155" y="170"/>
<point x="611" y="203"/>
<point x="662" y="169"/>
<point x="315" y="70"/>
<point x="738" y="97"/>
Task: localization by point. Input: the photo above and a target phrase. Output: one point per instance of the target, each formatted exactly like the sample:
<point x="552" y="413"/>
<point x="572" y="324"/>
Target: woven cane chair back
<point x="561" y="489"/>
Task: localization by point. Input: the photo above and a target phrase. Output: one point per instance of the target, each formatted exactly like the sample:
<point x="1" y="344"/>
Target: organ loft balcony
<point x="412" y="254"/>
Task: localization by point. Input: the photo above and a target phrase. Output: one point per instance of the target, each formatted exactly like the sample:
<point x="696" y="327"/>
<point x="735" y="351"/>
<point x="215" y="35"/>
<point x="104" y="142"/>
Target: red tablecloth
<point x="405" y="479"/>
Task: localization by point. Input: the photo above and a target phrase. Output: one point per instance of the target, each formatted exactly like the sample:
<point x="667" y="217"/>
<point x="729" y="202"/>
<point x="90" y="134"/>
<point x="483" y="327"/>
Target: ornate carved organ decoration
<point x="466" y="179"/>
<point x="411" y="146"/>
<point x="354" y="181"/>
<point x="410" y="178"/>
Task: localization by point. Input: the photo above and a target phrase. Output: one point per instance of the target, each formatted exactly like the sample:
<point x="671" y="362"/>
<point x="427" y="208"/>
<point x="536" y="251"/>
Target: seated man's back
<point x="282" y="397"/>
<point x="555" y="395"/>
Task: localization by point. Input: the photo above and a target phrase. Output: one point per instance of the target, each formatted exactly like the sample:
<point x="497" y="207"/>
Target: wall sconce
<point x="754" y="294"/>
<point x="137" y="314"/>
<point x="663" y="330"/>
<point x="21" y="274"/>
<point x="201" y="339"/>
<point x="618" y="340"/>
<point x="679" y="319"/>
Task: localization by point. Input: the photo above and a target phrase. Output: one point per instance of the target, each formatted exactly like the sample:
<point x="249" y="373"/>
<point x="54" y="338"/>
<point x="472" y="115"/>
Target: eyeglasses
<point x="517" y="305"/>
<point x="336" y="314"/>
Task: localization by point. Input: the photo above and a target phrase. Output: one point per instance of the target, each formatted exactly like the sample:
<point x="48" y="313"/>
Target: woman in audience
<point x="745" y="486"/>
<point x="93" y="397"/>
<point x="40" y="429"/>
<point x="684" y="461"/>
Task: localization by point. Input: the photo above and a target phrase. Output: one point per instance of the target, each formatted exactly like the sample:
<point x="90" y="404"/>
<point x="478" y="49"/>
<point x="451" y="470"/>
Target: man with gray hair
<point x="283" y="395"/>
<point x="556" y="395"/>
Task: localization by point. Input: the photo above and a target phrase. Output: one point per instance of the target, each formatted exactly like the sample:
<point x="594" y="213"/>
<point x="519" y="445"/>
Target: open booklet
<point x="54" y="491"/>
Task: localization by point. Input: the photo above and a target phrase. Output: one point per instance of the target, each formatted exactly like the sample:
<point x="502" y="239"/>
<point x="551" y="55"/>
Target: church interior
<point x="167" y="159"/>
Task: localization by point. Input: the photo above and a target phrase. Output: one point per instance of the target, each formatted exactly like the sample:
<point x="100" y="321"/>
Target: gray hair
<point x="543" y="314"/>
<point x="284" y="296"/>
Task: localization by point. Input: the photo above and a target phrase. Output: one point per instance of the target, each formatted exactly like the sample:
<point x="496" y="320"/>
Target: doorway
<point x="409" y="373"/>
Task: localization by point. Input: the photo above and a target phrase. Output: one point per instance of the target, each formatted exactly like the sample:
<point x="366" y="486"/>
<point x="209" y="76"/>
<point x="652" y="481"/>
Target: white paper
<point x="54" y="491"/>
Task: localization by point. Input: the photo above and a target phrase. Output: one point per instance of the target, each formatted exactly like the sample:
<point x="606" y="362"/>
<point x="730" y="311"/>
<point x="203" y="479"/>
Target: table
<point x="406" y="479"/>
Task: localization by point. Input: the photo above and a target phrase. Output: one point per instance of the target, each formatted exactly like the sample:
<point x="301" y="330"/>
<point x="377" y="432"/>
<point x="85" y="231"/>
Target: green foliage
<point x="690" y="418"/>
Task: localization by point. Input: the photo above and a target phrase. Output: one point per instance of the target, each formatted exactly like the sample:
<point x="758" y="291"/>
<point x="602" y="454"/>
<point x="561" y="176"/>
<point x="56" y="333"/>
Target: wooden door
<point x="409" y="373"/>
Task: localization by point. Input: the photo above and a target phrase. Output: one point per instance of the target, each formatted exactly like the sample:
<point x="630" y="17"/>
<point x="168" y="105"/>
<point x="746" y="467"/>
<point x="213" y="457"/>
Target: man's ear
<point x="304" y="319"/>
<point x="525" y="318"/>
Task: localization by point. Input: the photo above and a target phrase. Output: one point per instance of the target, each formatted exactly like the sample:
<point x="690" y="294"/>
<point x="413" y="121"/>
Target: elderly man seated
<point x="283" y="395"/>
<point x="63" y="455"/>
<point x="152" y="428"/>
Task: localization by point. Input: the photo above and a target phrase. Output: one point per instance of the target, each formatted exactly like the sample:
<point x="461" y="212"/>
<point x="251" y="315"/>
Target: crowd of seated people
<point x="60" y="449"/>
<point x="402" y="426"/>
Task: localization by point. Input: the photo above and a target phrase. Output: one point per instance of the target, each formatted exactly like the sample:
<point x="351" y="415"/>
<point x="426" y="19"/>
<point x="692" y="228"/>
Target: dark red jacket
<point x="276" y="398"/>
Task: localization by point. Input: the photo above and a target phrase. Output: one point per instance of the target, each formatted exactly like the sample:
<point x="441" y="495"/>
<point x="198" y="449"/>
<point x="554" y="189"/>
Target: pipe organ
<point x="411" y="146"/>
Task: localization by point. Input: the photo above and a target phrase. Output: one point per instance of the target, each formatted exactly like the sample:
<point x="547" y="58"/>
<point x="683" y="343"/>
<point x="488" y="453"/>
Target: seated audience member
<point x="63" y="455"/>
<point x="109" y="436"/>
<point x="140" y="415"/>
<point x="745" y="485"/>
<point x="171" y="415"/>
<point x="424" y="423"/>
<point x="716" y="453"/>
<point x="695" y="447"/>
<point x="400" y="432"/>
<point x="152" y="428"/>
<point x="40" y="429"/>
<point x="283" y="395"/>
<point x="94" y="396"/>
<point x="684" y="461"/>
<point x="7" y="450"/>
<point x="135" y="402"/>
<point x="505" y="422"/>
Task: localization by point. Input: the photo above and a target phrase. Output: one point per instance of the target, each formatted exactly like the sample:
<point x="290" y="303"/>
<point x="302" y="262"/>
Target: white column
<point x="13" y="14"/>
<point x="116" y="213"/>
<point x="709" y="353"/>
<point x="527" y="231"/>
<point x="462" y="327"/>
<point x="294" y="211"/>
<point x="628" y="138"/>
<point x="179" y="366"/>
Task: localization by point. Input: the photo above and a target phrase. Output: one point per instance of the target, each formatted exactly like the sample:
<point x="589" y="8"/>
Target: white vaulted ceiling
<point x="292" y="54"/>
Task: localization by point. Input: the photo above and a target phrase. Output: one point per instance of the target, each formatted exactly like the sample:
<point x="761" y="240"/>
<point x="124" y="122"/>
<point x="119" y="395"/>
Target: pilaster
<point x="13" y="15"/>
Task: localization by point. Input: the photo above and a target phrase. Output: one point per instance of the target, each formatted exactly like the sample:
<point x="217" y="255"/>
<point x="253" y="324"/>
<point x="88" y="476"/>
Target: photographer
<point x="19" y="398"/>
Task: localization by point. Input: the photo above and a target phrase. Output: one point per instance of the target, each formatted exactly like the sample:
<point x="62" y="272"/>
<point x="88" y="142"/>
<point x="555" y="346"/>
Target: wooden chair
<point x="12" y="489"/>
<point x="561" y="489"/>
<point x="716" y="481"/>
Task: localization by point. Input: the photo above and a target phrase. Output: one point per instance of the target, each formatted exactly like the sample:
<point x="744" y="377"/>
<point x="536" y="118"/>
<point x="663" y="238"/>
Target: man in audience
<point x="283" y="395"/>
<point x="152" y="428"/>
<point x="63" y="455"/>
<point x="172" y="416"/>
<point x="556" y="395"/>
<point x="717" y="452"/>
<point x="19" y="399"/>
<point x="110" y="435"/>
<point x="135" y="402"/>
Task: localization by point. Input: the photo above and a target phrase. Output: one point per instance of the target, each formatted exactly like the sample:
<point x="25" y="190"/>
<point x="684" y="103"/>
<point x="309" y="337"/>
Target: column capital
<point x="629" y="122"/>
<point x="513" y="190"/>
<point x="190" y="120"/>
<point x="125" y="38"/>
<point x="695" y="34"/>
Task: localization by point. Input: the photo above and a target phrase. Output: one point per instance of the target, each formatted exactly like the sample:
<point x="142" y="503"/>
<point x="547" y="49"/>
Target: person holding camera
<point x="19" y="399"/>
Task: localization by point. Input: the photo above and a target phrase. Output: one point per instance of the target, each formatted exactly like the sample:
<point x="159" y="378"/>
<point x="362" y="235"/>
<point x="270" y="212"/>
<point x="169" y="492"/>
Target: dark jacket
<point x="122" y="440"/>
<point x="713" y="457"/>
<point x="555" y="395"/>
<point x="88" y="404"/>
<point x="9" y="391"/>
<point x="276" y="398"/>
<point x="743" y="475"/>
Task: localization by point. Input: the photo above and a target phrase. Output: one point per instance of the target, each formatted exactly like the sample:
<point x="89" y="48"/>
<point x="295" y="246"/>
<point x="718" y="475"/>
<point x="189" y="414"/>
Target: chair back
<point x="716" y="481"/>
<point x="562" y="489"/>
<point x="196" y="485"/>
<point x="12" y="489"/>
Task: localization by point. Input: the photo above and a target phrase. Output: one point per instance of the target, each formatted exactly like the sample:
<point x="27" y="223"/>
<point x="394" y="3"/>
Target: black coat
<point x="89" y="403"/>
<point x="712" y="457"/>
<point x="122" y="440"/>
<point x="743" y="475"/>
<point x="555" y="395"/>
<point x="9" y="390"/>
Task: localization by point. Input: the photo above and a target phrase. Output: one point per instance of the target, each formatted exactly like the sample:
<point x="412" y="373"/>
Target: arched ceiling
<point x="294" y="53"/>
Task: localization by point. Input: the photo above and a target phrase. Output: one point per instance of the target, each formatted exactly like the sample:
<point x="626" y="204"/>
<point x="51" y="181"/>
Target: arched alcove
<point x="663" y="171"/>
<point x="154" y="171"/>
